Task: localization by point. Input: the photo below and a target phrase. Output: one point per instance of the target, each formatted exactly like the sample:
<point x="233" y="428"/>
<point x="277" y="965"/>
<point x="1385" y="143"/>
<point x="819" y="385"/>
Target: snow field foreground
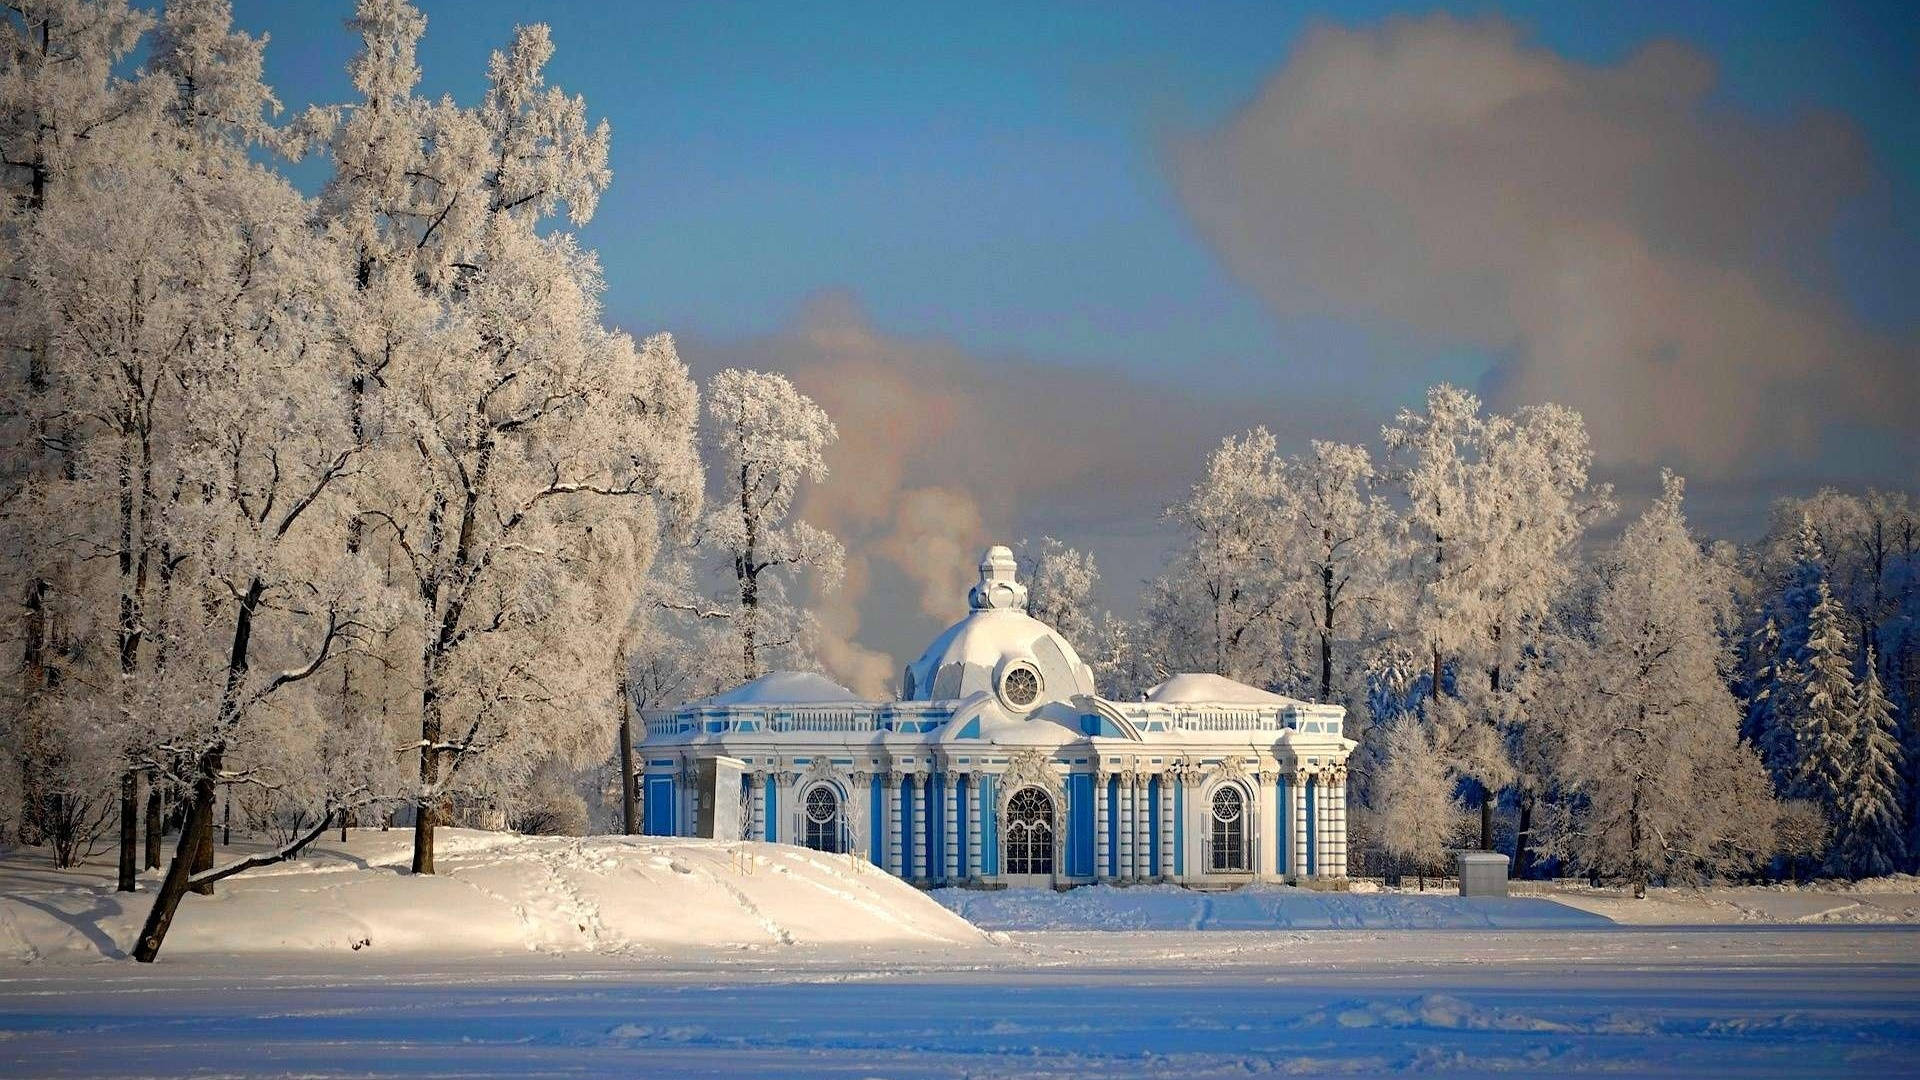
<point x="494" y="893"/>
<point x="1746" y="1001"/>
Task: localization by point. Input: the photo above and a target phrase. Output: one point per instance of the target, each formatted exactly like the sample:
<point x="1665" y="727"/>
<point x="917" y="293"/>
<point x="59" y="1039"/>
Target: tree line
<point x="1656" y="706"/>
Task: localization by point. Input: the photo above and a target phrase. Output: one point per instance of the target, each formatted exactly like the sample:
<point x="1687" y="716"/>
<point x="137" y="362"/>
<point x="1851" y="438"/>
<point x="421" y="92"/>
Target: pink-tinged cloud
<point x="1636" y="251"/>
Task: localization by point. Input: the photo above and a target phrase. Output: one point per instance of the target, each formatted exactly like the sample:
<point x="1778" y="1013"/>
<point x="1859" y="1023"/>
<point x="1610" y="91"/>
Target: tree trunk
<point x="1326" y="631"/>
<point x="129" y="832"/>
<point x="156" y="822"/>
<point x="345" y="816"/>
<point x="629" y="796"/>
<point x="198" y="827"/>
<point x="1634" y="840"/>
<point x="203" y="851"/>
<point x="1523" y="839"/>
<point x="429" y="774"/>
<point x="226" y="823"/>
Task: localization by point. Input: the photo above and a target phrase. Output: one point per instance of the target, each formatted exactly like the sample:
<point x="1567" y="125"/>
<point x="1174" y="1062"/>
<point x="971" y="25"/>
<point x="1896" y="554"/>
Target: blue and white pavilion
<point x="1000" y="764"/>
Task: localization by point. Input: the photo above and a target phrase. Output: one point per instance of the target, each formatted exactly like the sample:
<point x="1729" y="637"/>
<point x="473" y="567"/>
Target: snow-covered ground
<point x="617" y="957"/>
<point x="1256" y="907"/>
<point x="495" y="892"/>
<point x="1533" y="905"/>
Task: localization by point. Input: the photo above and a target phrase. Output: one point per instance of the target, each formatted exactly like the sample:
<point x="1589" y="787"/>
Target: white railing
<point x="785" y="719"/>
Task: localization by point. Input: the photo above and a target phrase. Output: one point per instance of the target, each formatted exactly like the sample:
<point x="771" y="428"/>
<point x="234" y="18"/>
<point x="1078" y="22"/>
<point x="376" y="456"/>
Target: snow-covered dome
<point x="784" y="688"/>
<point x="998" y="647"/>
<point x="1213" y="690"/>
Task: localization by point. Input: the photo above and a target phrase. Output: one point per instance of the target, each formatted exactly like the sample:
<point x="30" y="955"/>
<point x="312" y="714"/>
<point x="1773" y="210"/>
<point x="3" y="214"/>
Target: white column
<point x="1339" y="819"/>
<point x="892" y="824"/>
<point x="1102" y="865"/>
<point x="757" y="827"/>
<point x="922" y="784"/>
<point x="1321" y="827"/>
<point x="978" y="806"/>
<point x="1298" y="865"/>
<point x="1166" y="867"/>
<point x="952" y="814"/>
<point x="1143" y="829"/>
<point x="1125" y="870"/>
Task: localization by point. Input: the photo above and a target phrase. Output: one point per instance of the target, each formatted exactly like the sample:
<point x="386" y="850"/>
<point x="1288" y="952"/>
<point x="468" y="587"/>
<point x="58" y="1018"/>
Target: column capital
<point x="892" y="777"/>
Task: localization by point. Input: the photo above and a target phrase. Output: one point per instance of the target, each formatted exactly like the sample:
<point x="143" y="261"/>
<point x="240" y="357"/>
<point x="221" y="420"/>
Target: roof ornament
<point x="998" y="590"/>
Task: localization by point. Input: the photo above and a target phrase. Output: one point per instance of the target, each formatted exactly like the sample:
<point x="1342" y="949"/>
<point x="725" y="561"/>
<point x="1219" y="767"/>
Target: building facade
<point x="1000" y="764"/>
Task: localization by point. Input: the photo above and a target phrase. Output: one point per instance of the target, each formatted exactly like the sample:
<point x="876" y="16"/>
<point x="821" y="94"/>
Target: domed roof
<point x="784" y="688"/>
<point x="1209" y="689"/>
<point x="998" y="647"/>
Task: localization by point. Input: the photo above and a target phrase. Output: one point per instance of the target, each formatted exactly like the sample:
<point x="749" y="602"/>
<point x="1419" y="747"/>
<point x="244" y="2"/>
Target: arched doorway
<point x="1030" y="832"/>
<point x="1227" y="831"/>
<point x="821" y="820"/>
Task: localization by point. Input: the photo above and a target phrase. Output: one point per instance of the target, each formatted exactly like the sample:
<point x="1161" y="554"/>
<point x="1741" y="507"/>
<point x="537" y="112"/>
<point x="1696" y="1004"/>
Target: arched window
<point x="1030" y="832"/>
<point x="822" y="812"/>
<point x="1227" y="840"/>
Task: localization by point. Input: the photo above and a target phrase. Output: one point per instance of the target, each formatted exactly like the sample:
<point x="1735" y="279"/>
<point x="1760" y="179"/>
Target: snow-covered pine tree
<point x="1870" y="831"/>
<point x="1826" y="706"/>
<point x="768" y="438"/>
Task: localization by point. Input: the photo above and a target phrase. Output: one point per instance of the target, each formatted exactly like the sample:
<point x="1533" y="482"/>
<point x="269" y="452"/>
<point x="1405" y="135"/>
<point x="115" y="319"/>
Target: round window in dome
<point x="1020" y="686"/>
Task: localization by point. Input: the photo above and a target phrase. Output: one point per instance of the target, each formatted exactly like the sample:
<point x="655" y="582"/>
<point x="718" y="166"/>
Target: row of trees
<point x="1652" y="707"/>
<point x="345" y="503"/>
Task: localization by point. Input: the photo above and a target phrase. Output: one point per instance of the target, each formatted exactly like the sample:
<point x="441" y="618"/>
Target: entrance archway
<point x="821" y="820"/>
<point x="1030" y="832"/>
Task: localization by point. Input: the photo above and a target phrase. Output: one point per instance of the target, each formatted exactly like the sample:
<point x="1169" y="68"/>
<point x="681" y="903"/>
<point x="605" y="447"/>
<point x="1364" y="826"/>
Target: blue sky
<point x="1014" y="202"/>
<point x="998" y="176"/>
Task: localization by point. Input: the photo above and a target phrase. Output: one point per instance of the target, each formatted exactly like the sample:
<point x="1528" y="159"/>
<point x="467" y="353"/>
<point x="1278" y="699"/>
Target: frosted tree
<point x="1335" y="550"/>
<point x="1825" y="713"/>
<point x="1418" y="817"/>
<point x="767" y="439"/>
<point x="63" y="112"/>
<point x="1650" y="777"/>
<point x="1219" y="606"/>
<point x="1060" y="582"/>
<point x="522" y="459"/>
<point x="1871" y="840"/>
<point x="1495" y="507"/>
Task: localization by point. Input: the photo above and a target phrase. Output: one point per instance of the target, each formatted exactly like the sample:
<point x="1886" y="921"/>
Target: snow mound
<point x="1213" y="690"/>
<point x="1256" y="907"/>
<point x="784" y="688"/>
<point x="495" y="893"/>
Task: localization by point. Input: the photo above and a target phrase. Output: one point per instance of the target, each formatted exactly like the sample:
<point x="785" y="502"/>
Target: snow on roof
<point x="785" y="688"/>
<point x="1197" y="688"/>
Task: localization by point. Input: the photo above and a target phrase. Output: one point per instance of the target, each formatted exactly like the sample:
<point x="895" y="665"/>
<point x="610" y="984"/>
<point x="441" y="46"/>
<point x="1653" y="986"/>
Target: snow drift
<point x="495" y="893"/>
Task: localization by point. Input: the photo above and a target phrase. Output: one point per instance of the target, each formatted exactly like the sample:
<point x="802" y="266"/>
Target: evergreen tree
<point x="1824" y="719"/>
<point x="1870" y="834"/>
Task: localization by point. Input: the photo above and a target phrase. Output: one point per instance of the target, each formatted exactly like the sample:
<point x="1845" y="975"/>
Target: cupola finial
<point x="998" y="589"/>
